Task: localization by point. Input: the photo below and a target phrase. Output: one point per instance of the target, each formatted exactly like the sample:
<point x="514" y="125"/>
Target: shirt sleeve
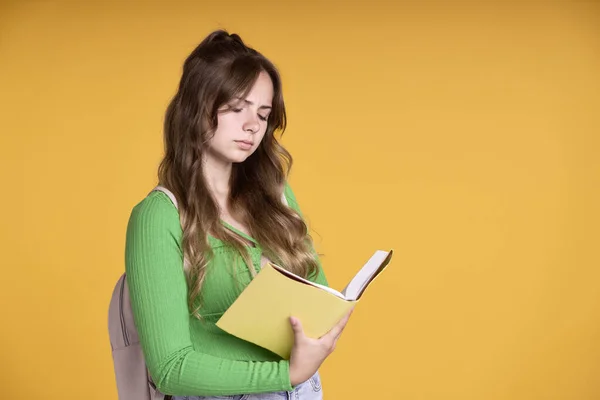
<point x="158" y="290"/>
<point x="320" y="277"/>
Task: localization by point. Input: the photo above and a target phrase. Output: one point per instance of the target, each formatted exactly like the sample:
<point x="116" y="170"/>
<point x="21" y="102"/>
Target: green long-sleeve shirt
<point x="184" y="355"/>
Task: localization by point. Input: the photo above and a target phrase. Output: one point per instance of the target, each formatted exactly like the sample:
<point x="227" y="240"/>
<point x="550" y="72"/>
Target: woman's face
<point x="241" y="128"/>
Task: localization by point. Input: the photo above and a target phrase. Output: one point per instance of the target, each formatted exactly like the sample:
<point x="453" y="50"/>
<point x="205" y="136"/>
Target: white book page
<point x="363" y="277"/>
<point x="300" y="279"/>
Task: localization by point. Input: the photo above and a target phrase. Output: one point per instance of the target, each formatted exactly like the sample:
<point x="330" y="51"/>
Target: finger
<point x="337" y="329"/>
<point x="297" y="327"/>
<point x="342" y="324"/>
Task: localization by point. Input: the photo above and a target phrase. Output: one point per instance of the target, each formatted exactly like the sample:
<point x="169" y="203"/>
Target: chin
<point x="232" y="156"/>
<point x="239" y="158"/>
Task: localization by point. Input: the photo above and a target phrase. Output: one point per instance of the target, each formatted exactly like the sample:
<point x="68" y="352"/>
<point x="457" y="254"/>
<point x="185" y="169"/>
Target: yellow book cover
<point x="261" y="313"/>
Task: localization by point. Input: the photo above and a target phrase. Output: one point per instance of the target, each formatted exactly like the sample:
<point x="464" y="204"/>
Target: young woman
<point x="235" y="211"/>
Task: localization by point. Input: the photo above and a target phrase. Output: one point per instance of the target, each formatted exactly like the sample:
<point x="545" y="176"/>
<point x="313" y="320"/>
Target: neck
<point x="217" y="175"/>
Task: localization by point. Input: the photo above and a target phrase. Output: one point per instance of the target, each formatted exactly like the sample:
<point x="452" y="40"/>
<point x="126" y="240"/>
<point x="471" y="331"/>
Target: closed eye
<point x="237" y="110"/>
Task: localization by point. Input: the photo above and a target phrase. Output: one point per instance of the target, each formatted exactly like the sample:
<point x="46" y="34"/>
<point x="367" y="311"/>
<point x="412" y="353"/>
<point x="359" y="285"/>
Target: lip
<point x="244" y="144"/>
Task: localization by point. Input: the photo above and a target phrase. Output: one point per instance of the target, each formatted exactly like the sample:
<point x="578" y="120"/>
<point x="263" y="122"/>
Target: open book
<point x="261" y="313"/>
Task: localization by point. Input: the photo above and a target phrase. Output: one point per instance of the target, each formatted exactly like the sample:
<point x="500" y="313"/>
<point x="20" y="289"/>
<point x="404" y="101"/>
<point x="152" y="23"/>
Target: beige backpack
<point x="132" y="377"/>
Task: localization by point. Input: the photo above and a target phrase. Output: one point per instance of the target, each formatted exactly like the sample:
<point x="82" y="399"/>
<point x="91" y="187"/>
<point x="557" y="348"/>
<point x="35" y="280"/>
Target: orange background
<point x="465" y="136"/>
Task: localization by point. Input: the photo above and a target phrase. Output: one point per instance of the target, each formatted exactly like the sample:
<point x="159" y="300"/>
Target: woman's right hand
<point x="308" y="354"/>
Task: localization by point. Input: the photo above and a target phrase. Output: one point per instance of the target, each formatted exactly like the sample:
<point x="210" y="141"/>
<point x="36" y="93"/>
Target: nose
<point x="251" y="124"/>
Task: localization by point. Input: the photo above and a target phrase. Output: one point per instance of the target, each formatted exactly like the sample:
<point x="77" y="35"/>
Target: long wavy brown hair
<point x="221" y="68"/>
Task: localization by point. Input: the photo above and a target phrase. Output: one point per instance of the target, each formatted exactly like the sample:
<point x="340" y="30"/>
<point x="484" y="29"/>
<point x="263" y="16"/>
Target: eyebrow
<point x="251" y="103"/>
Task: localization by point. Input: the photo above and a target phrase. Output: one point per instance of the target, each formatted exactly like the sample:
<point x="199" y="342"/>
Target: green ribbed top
<point x="184" y="355"/>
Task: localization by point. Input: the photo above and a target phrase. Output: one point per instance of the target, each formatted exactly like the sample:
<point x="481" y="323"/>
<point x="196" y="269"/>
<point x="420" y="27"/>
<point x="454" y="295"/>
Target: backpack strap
<point x="284" y="199"/>
<point x="168" y="193"/>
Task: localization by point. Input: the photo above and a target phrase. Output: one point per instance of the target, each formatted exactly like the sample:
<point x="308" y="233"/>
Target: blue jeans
<point x="309" y="390"/>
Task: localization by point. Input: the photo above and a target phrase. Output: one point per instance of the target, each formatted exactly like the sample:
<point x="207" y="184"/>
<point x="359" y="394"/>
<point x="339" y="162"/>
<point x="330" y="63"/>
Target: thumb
<point x="296" y="327"/>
